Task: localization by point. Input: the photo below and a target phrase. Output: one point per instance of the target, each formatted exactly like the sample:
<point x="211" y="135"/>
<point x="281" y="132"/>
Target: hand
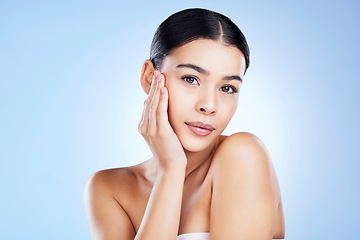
<point x="155" y="127"/>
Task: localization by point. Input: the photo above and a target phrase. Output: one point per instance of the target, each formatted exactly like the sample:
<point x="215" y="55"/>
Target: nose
<point x="206" y="104"/>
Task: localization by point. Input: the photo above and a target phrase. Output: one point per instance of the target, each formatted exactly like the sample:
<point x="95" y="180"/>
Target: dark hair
<point x="191" y="24"/>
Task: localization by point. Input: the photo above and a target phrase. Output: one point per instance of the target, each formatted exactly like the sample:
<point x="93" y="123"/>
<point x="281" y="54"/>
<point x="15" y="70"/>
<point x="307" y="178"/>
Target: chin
<point x="193" y="143"/>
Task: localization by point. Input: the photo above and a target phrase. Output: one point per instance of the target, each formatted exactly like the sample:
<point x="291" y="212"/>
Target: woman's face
<point x="203" y="78"/>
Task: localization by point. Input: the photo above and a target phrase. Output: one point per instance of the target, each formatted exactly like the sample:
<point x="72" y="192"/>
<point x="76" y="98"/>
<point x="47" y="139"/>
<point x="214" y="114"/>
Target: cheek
<point x="227" y="109"/>
<point x="179" y="98"/>
<point x="178" y="102"/>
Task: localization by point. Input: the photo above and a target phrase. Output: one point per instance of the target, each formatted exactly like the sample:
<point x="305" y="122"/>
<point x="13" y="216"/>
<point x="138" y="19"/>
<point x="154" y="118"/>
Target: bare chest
<point x="195" y="209"/>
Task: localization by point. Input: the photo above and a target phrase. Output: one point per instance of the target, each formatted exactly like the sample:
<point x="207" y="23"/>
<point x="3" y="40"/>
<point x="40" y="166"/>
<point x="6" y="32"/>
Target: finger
<point x="153" y="83"/>
<point x="154" y="104"/>
<point x="152" y="88"/>
<point x="142" y="127"/>
<point x="155" y="88"/>
<point x="162" y="114"/>
<point x="145" y="119"/>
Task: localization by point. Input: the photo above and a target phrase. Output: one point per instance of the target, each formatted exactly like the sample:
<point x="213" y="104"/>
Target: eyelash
<point x="186" y="78"/>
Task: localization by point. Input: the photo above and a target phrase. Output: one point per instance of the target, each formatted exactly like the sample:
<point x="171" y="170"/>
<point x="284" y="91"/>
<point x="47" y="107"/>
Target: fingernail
<point x="161" y="77"/>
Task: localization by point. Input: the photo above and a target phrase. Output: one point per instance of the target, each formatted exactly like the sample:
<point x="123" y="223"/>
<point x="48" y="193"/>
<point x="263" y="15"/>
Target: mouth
<point x="200" y="128"/>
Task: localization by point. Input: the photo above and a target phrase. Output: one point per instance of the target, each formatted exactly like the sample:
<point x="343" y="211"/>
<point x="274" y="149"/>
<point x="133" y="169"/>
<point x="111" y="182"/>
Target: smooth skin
<point x="225" y="185"/>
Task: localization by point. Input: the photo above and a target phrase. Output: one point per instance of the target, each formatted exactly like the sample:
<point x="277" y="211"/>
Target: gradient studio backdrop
<point x="70" y="103"/>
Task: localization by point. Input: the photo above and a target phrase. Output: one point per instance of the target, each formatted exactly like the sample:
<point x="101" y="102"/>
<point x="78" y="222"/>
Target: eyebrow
<point x="206" y="72"/>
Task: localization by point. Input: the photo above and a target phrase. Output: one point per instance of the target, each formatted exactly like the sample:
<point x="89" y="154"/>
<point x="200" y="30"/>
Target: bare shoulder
<point x="244" y="190"/>
<point x="104" y="209"/>
<point x="243" y="147"/>
<point x="112" y="184"/>
<point x="244" y="154"/>
<point x="110" y="179"/>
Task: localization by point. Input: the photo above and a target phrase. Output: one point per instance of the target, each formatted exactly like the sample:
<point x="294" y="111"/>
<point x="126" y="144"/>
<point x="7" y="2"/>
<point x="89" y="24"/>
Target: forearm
<point x="162" y="214"/>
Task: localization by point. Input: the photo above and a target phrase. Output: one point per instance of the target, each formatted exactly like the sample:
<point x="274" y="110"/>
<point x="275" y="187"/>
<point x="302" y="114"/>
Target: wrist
<point x="174" y="169"/>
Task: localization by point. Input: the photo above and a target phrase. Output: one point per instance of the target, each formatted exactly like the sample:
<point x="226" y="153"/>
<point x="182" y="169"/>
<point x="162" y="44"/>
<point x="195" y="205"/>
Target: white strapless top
<point x="195" y="236"/>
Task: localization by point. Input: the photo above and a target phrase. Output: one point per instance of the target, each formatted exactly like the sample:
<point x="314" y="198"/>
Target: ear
<point x="147" y="73"/>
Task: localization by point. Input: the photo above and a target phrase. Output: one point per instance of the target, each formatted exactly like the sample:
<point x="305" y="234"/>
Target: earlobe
<point x="147" y="73"/>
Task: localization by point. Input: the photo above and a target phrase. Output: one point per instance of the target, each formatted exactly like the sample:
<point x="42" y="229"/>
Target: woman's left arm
<point x="246" y="193"/>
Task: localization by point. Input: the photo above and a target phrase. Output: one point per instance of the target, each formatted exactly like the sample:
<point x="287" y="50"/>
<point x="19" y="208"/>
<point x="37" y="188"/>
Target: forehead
<point x="214" y="56"/>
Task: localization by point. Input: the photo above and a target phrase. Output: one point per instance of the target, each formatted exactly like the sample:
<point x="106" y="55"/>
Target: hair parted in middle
<point x="191" y="24"/>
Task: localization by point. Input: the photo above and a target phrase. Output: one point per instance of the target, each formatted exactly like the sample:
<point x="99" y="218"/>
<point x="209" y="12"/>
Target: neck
<point x="197" y="159"/>
<point x="194" y="161"/>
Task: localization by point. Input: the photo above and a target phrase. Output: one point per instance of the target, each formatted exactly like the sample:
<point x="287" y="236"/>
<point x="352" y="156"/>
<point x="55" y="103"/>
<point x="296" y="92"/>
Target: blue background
<point x="70" y="103"/>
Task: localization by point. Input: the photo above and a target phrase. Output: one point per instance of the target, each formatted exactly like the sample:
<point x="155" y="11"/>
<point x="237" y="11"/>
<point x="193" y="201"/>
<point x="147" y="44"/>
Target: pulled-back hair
<point x="191" y="24"/>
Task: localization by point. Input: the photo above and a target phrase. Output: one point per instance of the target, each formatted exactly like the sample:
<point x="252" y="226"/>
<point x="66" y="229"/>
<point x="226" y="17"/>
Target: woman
<point x="199" y="184"/>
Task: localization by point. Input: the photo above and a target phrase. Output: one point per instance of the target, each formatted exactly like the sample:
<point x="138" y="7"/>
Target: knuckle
<point x="151" y="134"/>
<point x="142" y="130"/>
<point x="162" y="133"/>
<point x="158" y="111"/>
<point x="143" y="133"/>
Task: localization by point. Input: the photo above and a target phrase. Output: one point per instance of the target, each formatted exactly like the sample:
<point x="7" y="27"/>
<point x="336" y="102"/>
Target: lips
<point x="200" y="128"/>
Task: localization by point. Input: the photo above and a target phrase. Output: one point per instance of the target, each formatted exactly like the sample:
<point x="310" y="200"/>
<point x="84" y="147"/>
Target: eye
<point x="190" y="80"/>
<point x="228" y="89"/>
